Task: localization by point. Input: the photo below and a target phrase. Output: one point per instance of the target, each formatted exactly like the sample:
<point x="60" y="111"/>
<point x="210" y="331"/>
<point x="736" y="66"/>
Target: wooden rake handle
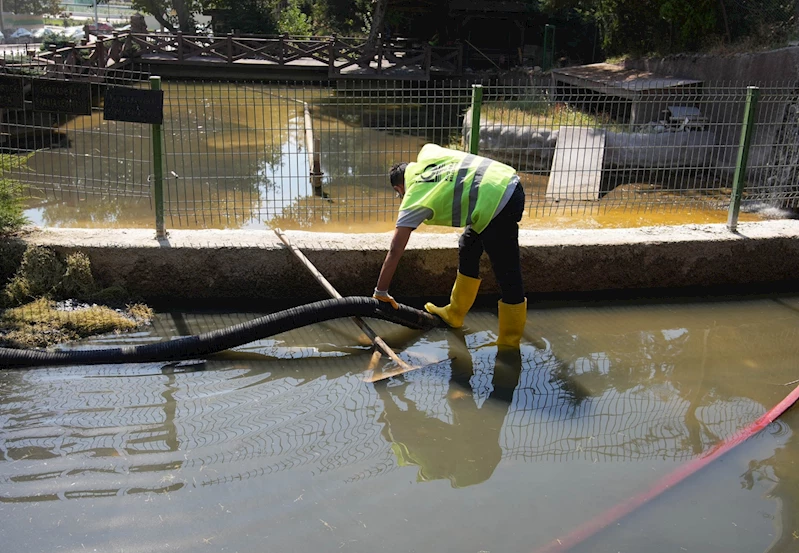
<point x="320" y="278"/>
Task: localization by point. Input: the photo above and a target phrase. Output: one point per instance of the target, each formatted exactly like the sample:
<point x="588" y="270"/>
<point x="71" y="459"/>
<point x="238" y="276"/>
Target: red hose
<point x="626" y="507"/>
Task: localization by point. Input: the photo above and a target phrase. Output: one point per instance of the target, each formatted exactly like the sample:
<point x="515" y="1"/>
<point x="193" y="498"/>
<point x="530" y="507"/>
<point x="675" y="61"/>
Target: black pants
<point x="500" y="240"/>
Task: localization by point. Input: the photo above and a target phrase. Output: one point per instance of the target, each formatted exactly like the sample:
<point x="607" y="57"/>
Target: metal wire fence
<point x="315" y="155"/>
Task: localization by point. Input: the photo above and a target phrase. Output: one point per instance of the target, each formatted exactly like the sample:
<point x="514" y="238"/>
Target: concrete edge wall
<point x="779" y="66"/>
<point x="209" y="266"/>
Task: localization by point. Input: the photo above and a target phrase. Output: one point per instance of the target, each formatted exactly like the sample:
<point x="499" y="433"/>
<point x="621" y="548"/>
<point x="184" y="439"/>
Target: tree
<point x="248" y="16"/>
<point x="643" y="26"/>
<point x="379" y="9"/>
<point x="341" y="17"/>
<point x="174" y="15"/>
<point x="33" y="6"/>
<point x="292" y="20"/>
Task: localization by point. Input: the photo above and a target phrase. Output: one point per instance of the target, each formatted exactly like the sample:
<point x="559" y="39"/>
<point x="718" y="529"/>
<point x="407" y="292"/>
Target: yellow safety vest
<point x="460" y="188"/>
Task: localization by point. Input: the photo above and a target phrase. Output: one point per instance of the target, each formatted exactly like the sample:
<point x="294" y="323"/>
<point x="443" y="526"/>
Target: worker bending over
<point x="451" y="188"/>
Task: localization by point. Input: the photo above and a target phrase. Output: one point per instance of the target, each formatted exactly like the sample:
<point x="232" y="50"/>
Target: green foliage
<point x="297" y="17"/>
<point x="37" y="7"/>
<point x="11" y="252"/>
<point x="11" y="212"/>
<point x="249" y="16"/>
<point x="39" y="276"/>
<point x="51" y="38"/>
<point x="293" y="20"/>
<point x="652" y="26"/>
<point x="34" y="319"/>
<point x="42" y="323"/>
<point x="174" y="15"/>
<point x="78" y="281"/>
<point x="535" y="112"/>
<point x="11" y="208"/>
<point x="692" y="19"/>
<point x="43" y="274"/>
<point x="350" y="18"/>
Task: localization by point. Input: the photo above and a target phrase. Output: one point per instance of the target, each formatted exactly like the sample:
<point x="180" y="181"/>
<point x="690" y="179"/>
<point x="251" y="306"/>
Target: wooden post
<point x="230" y="48"/>
<point x="379" y="53"/>
<point x="316" y="168"/>
<point x="100" y="55"/>
<point x="331" y="54"/>
<point x="428" y="57"/>
<point x="312" y="146"/>
<point x="116" y="48"/>
<point x="180" y="46"/>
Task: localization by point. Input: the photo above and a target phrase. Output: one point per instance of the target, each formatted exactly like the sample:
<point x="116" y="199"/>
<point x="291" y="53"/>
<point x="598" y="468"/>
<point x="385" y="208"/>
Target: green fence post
<point x="549" y="48"/>
<point x="158" y="169"/>
<point x="477" y="103"/>
<point x="739" y="180"/>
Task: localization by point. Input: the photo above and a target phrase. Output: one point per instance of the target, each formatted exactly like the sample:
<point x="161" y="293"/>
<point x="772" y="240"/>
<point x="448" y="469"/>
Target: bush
<point x="11" y="198"/>
<point x="11" y="210"/>
<point x="58" y="40"/>
<point x="42" y="274"/>
<point x="11" y="252"/>
<point x="39" y="275"/>
<point x="78" y="282"/>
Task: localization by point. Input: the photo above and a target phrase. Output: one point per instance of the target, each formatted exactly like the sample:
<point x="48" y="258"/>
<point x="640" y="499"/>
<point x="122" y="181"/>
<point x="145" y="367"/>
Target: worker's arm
<point x="395" y="251"/>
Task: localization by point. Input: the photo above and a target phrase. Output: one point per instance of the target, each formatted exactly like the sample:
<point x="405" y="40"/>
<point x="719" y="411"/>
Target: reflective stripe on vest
<point x="478" y="178"/>
<point x="457" y="196"/>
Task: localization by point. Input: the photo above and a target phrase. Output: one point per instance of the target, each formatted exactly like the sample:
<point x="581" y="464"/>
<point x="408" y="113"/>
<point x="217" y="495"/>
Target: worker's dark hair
<point x="397" y="173"/>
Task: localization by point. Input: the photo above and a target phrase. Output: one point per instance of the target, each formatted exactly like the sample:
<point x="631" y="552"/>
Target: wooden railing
<point x="89" y="60"/>
<point x="342" y="57"/>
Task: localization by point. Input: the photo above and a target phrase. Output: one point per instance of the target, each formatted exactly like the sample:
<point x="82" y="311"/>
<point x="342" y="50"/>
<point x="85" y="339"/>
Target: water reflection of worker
<point x="490" y="204"/>
<point x="465" y="451"/>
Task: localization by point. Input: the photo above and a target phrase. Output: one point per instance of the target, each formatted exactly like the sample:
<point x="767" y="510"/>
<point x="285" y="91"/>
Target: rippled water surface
<point x="282" y="446"/>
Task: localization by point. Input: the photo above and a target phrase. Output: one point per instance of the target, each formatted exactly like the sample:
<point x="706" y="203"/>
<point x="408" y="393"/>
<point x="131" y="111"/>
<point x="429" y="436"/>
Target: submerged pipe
<point x="193" y="347"/>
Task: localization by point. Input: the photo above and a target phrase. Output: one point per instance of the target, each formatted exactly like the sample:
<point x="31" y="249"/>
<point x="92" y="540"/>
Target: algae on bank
<point x="50" y="301"/>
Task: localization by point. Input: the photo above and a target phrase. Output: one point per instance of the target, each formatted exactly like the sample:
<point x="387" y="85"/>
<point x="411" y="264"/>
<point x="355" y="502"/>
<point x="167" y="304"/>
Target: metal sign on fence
<point x="134" y="105"/>
<point x="68" y="97"/>
<point x="12" y="92"/>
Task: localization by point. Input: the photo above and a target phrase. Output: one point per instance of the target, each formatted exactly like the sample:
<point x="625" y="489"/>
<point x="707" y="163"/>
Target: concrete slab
<point x="577" y="165"/>
<point x="618" y="80"/>
<point x="236" y="266"/>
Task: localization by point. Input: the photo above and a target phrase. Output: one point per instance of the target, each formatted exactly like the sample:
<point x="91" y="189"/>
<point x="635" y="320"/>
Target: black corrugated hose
<point x="193" y="347"/>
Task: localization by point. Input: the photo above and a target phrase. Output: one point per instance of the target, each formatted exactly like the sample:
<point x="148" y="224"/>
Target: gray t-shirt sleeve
<point x="412" y="218"/>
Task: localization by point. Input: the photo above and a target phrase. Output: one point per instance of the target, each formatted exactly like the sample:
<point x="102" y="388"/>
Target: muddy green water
<point x="281" y="446"/>
<point x="236" y="157"/>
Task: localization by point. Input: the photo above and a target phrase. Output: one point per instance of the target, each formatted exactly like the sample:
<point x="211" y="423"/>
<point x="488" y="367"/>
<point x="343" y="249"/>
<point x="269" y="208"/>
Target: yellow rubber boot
<point x="464" y="292"/>
<point x="512" y="319"/>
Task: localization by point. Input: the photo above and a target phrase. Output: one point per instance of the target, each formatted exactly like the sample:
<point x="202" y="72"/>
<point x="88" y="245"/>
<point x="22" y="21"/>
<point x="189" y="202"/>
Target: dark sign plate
<point x="134" y="105"/>
<point x="70" y="97"/>
<point x="12" y="93"/>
